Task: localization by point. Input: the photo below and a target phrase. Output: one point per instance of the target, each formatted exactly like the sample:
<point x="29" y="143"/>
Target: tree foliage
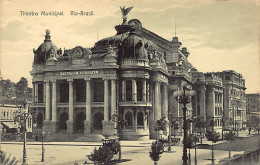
<point x="253" y="123"/>
<point x="103" y="155"/>
<point x="10" y="90"/>
<point x="160" y="123"/>
<point x="229" y="136"/>
<point x="156" y="151"/>
<point x="212" y="136"/>
<point x="21" y="88"/>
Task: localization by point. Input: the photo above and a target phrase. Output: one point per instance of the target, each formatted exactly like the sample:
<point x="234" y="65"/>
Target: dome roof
<point x="114" y="41"/>
<point x="44" y="50"/>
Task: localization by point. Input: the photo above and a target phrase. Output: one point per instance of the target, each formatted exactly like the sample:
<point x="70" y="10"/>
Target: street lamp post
<point x="195" y="158"/>
<point x="183" y="97"/>
<point x="170" y="129"/>
<point x="21" y="117"/>
<point x="43" y="150"/>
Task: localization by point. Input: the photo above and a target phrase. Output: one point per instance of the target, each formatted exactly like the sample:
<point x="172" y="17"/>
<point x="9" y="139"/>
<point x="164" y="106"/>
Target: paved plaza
<point x="133" y="152"/>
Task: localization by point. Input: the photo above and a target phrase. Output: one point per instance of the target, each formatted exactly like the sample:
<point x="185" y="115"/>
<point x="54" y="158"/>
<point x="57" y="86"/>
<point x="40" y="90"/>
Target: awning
<point x="9" y="124"/>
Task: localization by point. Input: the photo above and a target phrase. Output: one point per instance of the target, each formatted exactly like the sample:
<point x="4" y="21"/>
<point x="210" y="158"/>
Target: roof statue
<point x="125" y="11"/>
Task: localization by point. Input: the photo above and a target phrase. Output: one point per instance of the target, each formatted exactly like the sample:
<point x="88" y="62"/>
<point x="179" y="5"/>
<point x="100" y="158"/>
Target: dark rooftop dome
<point x="44" y="50"/>
<point x="136" y="47"/>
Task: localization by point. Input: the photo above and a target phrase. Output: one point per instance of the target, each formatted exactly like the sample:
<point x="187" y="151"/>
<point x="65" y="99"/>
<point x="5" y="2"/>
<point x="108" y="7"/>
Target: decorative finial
<point x="47" y="36"/>
<point x="125" y="11"/>
<point x="47" y="32"/>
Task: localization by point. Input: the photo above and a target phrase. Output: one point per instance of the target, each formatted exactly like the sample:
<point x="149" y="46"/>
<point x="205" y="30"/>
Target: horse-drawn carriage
<point x="112" y="144"/>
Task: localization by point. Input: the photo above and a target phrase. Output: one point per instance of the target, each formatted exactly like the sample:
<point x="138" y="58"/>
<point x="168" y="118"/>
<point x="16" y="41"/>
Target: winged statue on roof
<point x="125" y="11"/>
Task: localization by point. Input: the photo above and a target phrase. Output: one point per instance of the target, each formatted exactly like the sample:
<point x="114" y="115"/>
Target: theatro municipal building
<point x="83" y="92"/>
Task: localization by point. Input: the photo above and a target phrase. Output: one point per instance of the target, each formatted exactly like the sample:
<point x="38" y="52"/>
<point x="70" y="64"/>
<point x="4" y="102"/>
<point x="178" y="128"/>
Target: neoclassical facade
<point x="131" y="75"/>
<point x="78" y="91"/>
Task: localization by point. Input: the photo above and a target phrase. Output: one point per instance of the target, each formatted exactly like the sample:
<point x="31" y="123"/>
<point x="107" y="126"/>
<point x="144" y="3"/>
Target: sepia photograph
<point x="139" y="82"/>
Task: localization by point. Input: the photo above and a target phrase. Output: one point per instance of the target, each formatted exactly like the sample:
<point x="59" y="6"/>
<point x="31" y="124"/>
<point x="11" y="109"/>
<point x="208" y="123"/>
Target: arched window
<point x="63" y="118"/>
<point x="129" y="118"/>
<point x="140" y="119"/>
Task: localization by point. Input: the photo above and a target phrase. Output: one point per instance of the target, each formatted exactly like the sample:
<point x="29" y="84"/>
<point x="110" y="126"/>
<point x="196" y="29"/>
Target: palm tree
<point x="229" y="137"/>
<point x="212" y="136"/>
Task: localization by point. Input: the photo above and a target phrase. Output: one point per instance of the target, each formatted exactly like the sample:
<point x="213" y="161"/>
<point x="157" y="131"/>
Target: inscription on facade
<point x="79" y="73"/>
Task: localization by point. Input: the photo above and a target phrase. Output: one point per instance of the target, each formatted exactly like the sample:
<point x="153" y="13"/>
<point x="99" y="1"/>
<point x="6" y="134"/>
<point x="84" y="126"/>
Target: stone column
<point x="210" y="107"/>
<point x="165" y="110"/>
<point x="87" y="122"/>
<point x="36" y="92"/>
<point x="144" y="90"/>
<point x="113" y="96"/>
<point x="33" y="92"/>
<point x="157" y="90"/>
<point x="54" y="124"/>
<point x="165" y="101"/>
<point x="108" y="126"/>
<point x="106" y="104"/>
<point x="123" y="90"/>
<point x="44" y="92"/>
<point x="48" y="101"/>
<point x="70" y="122"/>
<point x="203" y="103"/>
<point x="134" y="91"/>
<point x="47" y="107"/>
<point x="148" y="92"/>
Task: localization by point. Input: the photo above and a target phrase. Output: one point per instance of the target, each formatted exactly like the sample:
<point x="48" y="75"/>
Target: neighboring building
<point x="234" y="99"/>
<point x="8" y="112"/>
<point x="208" y="103"/>
<point x="214" y="100"/>
<point x="252" y="105"/>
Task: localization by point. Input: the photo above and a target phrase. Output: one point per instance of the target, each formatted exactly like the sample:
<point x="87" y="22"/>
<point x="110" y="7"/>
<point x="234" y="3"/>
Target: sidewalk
<point x="123" y="143"/>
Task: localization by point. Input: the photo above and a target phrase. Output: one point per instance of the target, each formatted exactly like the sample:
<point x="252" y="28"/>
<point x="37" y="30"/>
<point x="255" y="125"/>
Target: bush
<point x="101" y="156"/>
<point x="6" y="160"/>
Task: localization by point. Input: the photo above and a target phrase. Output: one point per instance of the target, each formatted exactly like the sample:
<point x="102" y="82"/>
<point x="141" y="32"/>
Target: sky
<point x="219" y="34"/>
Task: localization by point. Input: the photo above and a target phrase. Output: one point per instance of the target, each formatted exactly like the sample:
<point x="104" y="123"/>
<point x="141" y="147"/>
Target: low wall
<point x="247" y="158"/>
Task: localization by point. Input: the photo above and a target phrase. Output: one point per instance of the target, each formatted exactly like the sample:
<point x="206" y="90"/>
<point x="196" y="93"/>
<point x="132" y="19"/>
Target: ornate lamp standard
<point x="183" y="97"/>
<point x="21" y="117"/>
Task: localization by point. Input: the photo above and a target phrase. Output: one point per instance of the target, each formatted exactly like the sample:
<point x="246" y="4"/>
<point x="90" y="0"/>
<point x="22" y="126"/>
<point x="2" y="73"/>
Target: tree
<point x="101" y="156"/>
<point x="156" y="151"/>
<point x="254" y="123"/>
<point x="160" y="123"/>
<point x="22" y="88"/>
<point x="200" y="124"/>
<point x="6" y="88"/>
<point x="212" y="136"/>
<point x="229" y="137"/>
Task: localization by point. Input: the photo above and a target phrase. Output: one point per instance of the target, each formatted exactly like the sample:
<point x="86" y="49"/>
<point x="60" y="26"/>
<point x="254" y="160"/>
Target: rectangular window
<point x="64" y="92"/>
<point x="216" y="111"/>
<point x="40" y="93"/>
<point x="98" y="91"/>
<point x="128" y="90"/>
<point x="139" y="90"/>
<point x="80" y="90"/>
